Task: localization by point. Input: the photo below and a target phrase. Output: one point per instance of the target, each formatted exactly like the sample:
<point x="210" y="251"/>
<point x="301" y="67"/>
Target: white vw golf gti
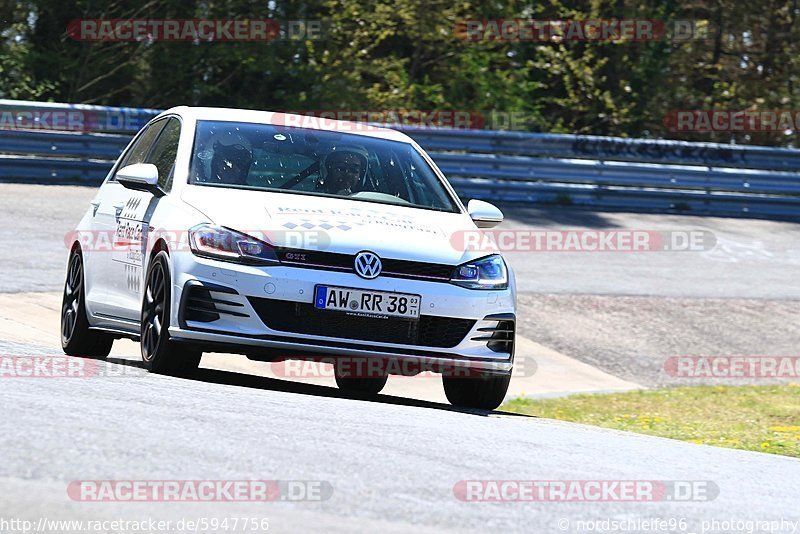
<point x="287" y="237"/>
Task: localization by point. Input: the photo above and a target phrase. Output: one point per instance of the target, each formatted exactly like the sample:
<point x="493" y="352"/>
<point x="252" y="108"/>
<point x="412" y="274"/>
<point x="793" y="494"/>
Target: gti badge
<point x="368" y="265"/>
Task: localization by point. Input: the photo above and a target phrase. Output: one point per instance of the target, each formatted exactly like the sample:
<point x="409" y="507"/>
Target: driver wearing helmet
<point x="344" y="168"/>
<point x="231" y="159"/>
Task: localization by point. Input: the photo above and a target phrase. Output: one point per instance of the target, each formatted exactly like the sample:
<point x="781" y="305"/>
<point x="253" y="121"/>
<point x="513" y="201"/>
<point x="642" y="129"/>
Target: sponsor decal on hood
<point x="346" y="219"/>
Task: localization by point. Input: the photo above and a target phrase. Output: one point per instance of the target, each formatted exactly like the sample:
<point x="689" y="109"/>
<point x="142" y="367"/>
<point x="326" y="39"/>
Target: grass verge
<point x="754" y="418"/>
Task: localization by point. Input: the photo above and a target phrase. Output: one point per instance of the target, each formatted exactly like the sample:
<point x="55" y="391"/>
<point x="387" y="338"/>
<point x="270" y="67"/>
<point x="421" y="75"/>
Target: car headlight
<point x="225" y="244"/>
<point x="484" y="273"/>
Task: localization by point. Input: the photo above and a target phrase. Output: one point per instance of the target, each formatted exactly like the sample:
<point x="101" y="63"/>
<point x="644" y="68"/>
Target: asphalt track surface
<point x="392" y="464"/>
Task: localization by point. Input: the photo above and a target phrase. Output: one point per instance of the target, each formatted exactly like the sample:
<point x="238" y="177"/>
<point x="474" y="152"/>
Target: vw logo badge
<point x="368" y="265"/>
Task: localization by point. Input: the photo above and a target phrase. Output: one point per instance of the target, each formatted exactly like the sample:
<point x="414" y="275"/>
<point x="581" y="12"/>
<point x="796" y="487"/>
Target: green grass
<point x="754" y="418"/>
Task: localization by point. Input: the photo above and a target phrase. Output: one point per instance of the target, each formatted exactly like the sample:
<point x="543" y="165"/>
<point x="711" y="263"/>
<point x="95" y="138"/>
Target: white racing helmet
<point x="359" y="151"/>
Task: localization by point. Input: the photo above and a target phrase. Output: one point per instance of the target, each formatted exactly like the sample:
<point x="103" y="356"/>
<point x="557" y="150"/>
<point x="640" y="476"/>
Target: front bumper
<point x="268" y="311"/>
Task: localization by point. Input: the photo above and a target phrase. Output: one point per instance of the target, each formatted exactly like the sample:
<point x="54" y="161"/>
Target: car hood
<point x="337" y="225"/>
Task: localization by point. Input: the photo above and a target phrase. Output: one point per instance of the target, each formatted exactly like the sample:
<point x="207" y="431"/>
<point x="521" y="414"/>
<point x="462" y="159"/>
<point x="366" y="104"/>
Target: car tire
<point x="484" y="392"/>
<point x="160" y="354"/>
<point x="363" y="385"/>
<point x="76" y="337"/>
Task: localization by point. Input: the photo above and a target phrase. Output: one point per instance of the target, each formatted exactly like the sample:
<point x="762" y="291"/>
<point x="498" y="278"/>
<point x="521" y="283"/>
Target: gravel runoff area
<point x="633" y="337"/>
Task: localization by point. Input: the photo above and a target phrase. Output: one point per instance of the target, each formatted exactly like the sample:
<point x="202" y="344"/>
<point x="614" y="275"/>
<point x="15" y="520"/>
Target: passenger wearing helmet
<point x="344" y="168"/>
<point x="231" y="159"/>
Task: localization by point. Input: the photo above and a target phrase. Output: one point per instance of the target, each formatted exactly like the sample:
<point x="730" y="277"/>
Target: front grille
<point x="417" y="268"/>
<point x="315" y="259"/>
<point x="303" y="318"/>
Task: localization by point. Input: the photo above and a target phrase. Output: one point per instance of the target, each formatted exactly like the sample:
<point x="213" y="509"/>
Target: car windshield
<point x="315" y="162"/>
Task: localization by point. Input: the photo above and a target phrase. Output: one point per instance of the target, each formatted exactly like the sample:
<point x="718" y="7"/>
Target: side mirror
<point x="140" y="177"/>
<point x="483" y="214"/>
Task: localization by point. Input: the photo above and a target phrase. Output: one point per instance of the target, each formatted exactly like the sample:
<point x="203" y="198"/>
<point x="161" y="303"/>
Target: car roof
<point x="286" y="119"/>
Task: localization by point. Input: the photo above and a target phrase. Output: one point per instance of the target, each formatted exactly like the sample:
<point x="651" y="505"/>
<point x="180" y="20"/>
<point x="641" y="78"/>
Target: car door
<point x="96" y="247"/>
<point x="113" y="207"/>
<point x="127" y="277"/>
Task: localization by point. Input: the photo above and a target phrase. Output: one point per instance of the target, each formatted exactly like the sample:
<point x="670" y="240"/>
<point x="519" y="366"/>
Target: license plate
<point x="367" y="303"/>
